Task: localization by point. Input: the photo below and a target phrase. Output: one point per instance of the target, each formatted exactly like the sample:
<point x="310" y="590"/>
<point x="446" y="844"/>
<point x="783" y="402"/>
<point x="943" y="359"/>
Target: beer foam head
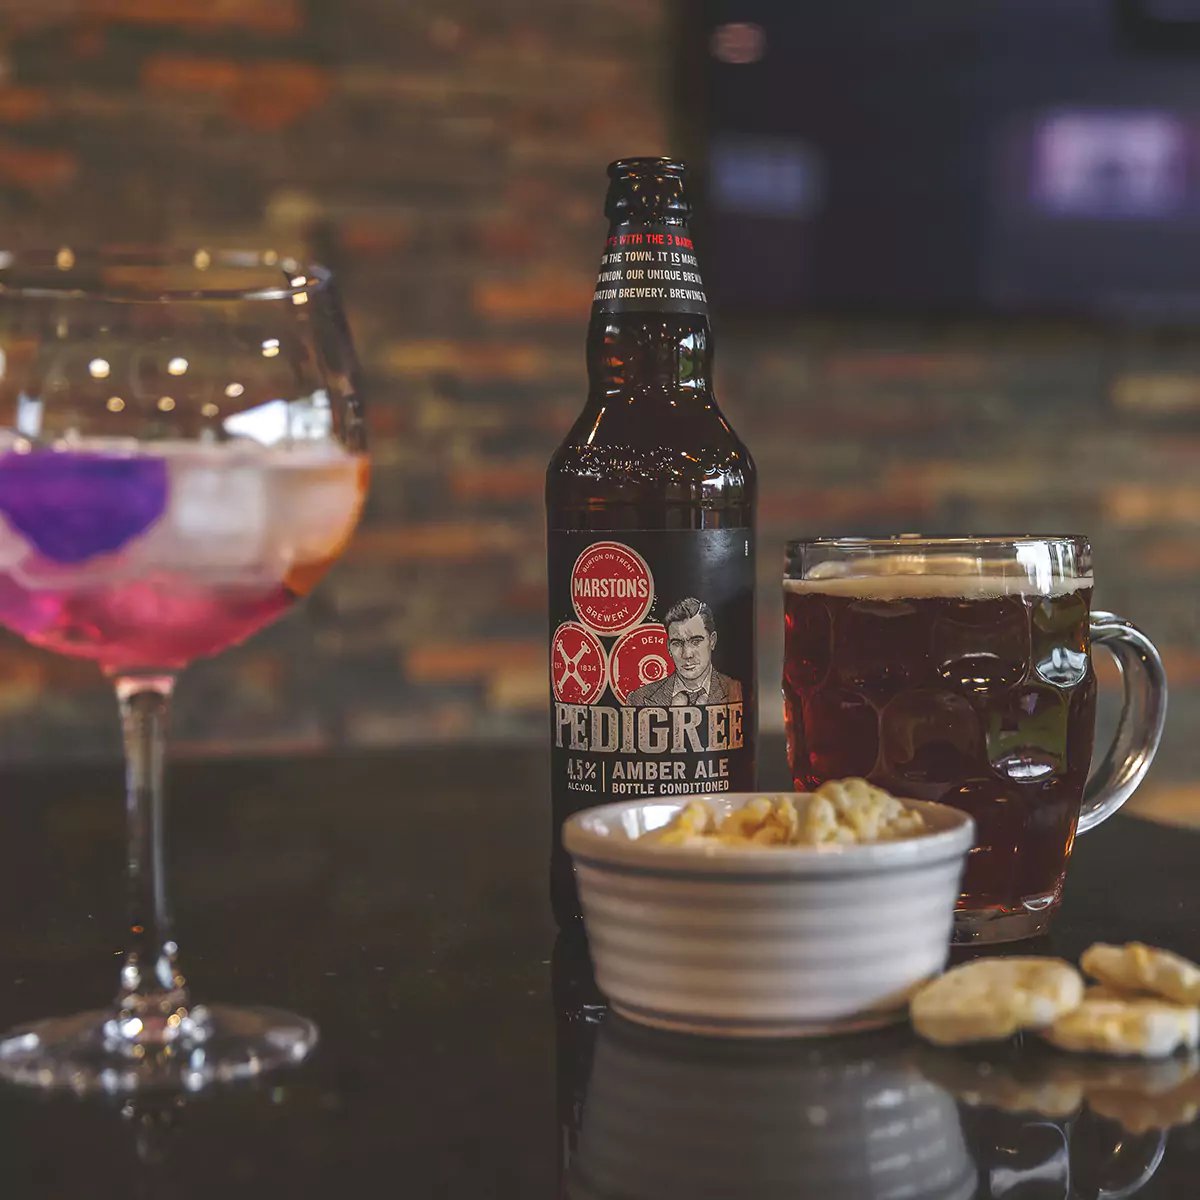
<point x="916" y="577"/>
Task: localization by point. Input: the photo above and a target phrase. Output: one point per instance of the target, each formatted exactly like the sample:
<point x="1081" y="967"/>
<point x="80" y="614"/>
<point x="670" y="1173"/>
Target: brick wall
<point x="446" y="158"/>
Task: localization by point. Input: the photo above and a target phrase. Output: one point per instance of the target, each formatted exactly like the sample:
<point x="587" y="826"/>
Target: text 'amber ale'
<point x="971" y="691"/>
<point x="650" y="530"/>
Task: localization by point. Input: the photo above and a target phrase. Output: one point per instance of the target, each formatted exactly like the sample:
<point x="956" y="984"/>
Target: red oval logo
<point x="578" y="668"/>
<point x="639" y="658"/>
<point x="611" y="588"/>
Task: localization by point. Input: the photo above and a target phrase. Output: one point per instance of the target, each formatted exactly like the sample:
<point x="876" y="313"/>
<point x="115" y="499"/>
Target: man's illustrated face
<point x="691" y="647"/>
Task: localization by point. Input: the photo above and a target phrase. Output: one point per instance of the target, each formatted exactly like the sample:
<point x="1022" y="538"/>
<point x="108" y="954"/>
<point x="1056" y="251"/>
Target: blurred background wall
<point x="446" y="158"/>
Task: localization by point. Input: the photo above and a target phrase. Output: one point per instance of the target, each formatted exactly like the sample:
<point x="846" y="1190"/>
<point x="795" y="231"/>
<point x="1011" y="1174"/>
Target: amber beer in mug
<point x="959" y="670"/>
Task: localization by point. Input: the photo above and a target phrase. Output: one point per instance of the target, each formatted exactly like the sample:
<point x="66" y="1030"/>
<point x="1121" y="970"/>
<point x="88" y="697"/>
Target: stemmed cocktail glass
<point x="182" y="457"/>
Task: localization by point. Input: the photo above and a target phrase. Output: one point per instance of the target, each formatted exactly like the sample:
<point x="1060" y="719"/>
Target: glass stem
<point x="152" y="986"/>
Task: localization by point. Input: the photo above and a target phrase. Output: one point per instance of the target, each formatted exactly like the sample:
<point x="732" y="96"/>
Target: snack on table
<point x="1136" y="967"/>
<point x="764" y="821"/>
<point x="1143" y="1026"/>
<point x="993" y="998"/>
<point x="691" y="823"/>
<point x="851" y="810"/>
<point x="1104" y="991"/>
<point x="844" y="811"/>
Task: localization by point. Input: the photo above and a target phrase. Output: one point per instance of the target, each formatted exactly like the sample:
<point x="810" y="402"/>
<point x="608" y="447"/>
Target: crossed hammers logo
<point x="571" y="666"/>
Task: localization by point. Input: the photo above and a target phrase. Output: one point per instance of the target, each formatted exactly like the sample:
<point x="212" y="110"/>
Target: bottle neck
<point x="649" y="334"/>
<point x="642" y="353"/>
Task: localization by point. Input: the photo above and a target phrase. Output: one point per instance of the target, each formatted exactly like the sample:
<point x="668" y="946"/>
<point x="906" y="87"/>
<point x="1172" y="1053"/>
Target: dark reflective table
<point x="400" y="901"/>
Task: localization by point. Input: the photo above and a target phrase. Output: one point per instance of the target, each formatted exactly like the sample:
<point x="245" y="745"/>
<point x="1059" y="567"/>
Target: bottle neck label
<point x="649" y="267"/>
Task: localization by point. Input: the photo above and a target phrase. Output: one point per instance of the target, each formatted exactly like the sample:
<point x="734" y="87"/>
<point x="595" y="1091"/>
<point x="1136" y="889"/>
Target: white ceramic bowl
<point x="767" y="942"/>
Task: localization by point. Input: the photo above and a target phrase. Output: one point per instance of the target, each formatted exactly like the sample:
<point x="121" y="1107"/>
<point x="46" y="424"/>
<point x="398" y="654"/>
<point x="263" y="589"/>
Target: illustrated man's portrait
<point x="691" y="639"/>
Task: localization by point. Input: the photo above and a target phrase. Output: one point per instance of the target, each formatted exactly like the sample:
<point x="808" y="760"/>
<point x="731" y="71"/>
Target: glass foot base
<point x="87" y="1052"/>
<point x="986" y="925"/>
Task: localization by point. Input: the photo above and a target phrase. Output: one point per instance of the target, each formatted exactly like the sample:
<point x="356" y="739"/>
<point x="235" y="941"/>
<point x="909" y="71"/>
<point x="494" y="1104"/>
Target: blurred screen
<point x="998" y="155"/>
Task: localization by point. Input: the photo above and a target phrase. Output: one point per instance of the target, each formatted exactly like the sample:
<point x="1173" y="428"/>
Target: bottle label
<point x="649" y="268"/>
<point x="652" y="670"/>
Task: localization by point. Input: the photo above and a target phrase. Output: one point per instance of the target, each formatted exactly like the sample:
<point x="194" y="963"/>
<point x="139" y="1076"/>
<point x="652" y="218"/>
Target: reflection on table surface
<point x="400" y="899"/>
<point x="648" y="1115"/>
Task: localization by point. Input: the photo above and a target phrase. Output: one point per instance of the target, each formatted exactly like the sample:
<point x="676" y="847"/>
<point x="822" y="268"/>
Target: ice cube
<point x="217" y="518"/>
<point x="315" y="504"/>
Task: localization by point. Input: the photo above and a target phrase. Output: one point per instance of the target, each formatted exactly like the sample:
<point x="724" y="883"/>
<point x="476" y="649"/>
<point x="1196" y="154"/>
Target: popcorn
<point x="851" y="810"/>
<point x="841" y="812"/>
<point x="690" y="823"/>
<point x="765" y="821"/>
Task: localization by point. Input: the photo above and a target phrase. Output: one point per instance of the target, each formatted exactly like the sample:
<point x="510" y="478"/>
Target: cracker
<point x="1145" y="1027"/>
<point x="1105" y="991"/>
<point x="1137" y="967"/>
<point x="993" y="998"/>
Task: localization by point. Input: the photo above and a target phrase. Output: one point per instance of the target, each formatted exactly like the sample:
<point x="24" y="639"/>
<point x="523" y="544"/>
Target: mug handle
<point x="1140" y="728"/>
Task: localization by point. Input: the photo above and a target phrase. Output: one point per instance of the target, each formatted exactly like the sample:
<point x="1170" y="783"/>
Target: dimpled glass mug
<point x="959" y="670"/>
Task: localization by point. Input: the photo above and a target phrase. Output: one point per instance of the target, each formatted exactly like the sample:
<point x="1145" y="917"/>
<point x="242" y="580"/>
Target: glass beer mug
<point x="959" y="670"/>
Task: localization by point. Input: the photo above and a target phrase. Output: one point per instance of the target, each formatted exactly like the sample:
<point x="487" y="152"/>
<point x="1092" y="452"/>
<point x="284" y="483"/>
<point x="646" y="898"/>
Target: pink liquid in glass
<point x="161" y="621"/>
<point x="150" y="559"/>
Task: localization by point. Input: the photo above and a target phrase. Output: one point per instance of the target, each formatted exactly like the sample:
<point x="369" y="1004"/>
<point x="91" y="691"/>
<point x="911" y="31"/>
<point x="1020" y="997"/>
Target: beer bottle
<point x="650" y="529"/>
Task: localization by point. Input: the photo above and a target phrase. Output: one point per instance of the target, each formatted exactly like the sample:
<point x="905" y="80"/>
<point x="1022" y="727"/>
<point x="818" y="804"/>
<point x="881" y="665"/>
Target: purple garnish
<point x="73" y="505"/>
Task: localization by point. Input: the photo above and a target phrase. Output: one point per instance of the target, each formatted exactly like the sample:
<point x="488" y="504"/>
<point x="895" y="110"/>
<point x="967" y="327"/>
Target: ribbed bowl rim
<point x="600" y="837"/>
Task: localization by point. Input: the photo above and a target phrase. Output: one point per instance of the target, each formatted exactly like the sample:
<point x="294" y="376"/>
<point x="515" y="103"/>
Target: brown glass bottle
<point x="650" y="518"/>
